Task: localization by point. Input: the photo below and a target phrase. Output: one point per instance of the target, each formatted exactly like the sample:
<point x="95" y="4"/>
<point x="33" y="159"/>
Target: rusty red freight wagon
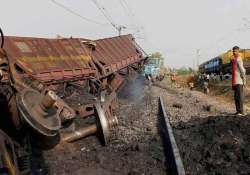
<point x="84" y="73"/>
<point x="49" y="60"/>
<point x="72" y="59"/>
<point x="116" y="53"/>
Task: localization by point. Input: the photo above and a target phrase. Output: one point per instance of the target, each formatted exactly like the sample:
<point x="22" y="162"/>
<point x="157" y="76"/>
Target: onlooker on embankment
<point x="238" y="80"/>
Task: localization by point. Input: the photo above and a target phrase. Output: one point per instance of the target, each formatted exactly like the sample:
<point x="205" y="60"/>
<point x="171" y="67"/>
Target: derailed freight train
<point x="222" y="63"/>
<point x="48" y="84"/>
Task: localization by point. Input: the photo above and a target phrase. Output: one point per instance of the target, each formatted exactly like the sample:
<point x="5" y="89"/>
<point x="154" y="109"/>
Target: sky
<point x="185" y="32"/>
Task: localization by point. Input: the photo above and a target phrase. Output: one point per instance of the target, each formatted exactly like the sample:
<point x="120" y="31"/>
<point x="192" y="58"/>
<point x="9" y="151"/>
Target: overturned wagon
<point x="48" y="83"/>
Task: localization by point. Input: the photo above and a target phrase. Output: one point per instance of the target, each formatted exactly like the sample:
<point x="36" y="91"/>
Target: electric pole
<point x="108" y="17"/>
<point x="194" y="64"/>
<point x="119" y="28"/>
<point x="198" y="57"/>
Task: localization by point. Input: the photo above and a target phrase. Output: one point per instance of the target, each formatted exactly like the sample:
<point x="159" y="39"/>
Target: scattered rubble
<point x="210" y="139"/>
<point x="135" y="147"/>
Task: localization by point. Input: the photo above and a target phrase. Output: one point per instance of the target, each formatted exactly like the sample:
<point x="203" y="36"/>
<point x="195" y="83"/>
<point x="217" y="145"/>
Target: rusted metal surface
<point x="8" y="164"/>
<point x="116" y="53"/>
<point x="49" y="60"/>
<point x="80" y="133"/>
<point x="87" y="67"/>
<point x="117" y="81"/>
<point x="103" y="125"/>
<point x="110" y="104"/>
<point x="3" y="66"/>
<point x="85" y="110"/>
<point x="38" y="111"/>
<point x="106" y="120"/>
<point x="64" y="111"/>
<point x="54" y="61"/>
<point x="31" y="67"/>
<point x="13" y="158"/>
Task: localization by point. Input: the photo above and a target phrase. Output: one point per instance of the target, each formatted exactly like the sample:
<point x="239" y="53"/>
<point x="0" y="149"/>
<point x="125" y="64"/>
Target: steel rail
<point x="173" y="158"/>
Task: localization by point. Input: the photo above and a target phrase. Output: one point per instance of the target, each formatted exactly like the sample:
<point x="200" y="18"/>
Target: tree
<point x="184" y="71"/>
<point x="156" y="55"/>
<point x="190" y="69"/>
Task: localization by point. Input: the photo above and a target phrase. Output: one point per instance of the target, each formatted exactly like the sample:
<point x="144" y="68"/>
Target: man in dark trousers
<point x="238" y="80"/>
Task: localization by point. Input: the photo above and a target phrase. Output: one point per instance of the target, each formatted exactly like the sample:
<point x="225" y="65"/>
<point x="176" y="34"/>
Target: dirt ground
<point x="135" y="148"/>
<point x="221" y="90"/>
<point x="210" y="139"/>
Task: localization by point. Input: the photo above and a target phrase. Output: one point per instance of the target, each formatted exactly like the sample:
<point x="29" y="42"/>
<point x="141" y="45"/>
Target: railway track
<point x="141" y="143"/>
<point x="93" y="71"/>
<point x="169" y="148"/>
<point x="88" y="157"/>
<point x="171" y="151"/>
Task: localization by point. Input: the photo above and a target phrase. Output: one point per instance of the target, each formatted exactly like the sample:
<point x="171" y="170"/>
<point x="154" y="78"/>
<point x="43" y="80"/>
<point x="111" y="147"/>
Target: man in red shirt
<point x="173" y="79"/>
<point x="238" y="80"/>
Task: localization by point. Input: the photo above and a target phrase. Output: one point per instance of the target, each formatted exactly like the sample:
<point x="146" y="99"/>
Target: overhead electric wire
<point x="134" y="24"/>
<point x="76" y="14"/>
<point x="138" y="34"/>
<point x="130" y="13"/>
<point x="127" y="12"/>
<point x="217" y="44"/>
<point x="106" y="14"/>
<point x="128" y="7"/>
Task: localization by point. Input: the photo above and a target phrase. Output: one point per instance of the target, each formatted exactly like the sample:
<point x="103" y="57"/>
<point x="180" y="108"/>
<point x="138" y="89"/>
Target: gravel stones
<point x="210" y="140"/>
<point x="177" y="105"/>
<point x="135" y="147"/>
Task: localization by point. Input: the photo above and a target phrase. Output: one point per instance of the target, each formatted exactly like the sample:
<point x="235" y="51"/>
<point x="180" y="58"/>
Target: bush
<point x="184" y="71"/>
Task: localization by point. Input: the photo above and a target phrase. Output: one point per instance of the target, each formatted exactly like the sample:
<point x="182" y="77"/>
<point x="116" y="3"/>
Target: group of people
<point x="238" y="80"/>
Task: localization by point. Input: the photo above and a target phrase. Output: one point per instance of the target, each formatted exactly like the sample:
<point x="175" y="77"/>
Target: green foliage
<point x="156" y="55"/>
<point x="184" y="71"/>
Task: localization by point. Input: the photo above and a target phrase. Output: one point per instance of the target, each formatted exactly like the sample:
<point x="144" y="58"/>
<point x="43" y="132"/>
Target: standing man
<point x="173" y="79"/>
<point x="205" y="83"/>
<point x="238" y="80"/>
<point x="221" y="76"/>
